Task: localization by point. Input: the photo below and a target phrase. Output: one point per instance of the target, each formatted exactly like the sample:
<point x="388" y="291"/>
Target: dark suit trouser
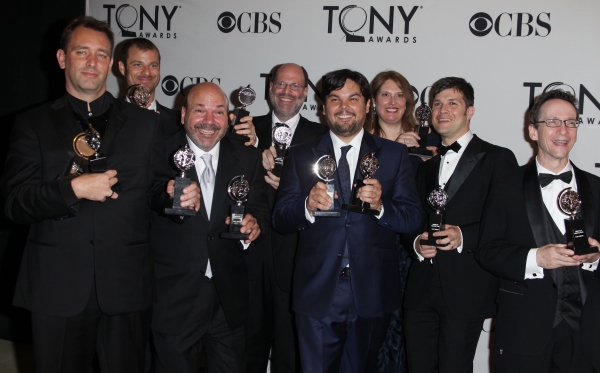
<point x="68" y="344"/>
<point x="563" y="353"/>
<point x="285" y="356"/>
<point x="436" y="340"/>
<point x="342" y="341"/>
<point x="205" y="332"/>
<point x="260" y="311"/>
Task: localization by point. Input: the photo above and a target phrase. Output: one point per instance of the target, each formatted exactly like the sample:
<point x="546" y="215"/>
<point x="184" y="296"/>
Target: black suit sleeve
<point x="160" y="171"/>
<point x="31" y="197"/>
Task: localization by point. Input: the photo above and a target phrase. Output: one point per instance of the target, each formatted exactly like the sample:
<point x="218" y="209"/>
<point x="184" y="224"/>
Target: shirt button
<point x="535" y="275"/>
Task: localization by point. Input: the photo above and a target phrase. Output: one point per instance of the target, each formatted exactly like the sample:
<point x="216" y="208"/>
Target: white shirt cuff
<point x="532" y="270"/>
<point x="590" y="266"/>
<point x="307" y="214"/>
<point x="419" y="256"/>
<point x="462" y="242"/>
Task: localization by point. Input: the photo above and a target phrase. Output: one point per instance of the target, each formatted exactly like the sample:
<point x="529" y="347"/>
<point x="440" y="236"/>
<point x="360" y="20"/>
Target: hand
<point x="588" y="258"/>
<point x="246" y="128"/>
<point x="426" y="251"/>
<point x="434" y="149"/>
<point x="249" y="226"/>
<point x="555" y="256"/>
<point x="453" y="239"/>
<point x="268" y="161"/>
<point x="190" y="197"/>
<point x="410" y="139"/>
<point x="95" y="187"/>
<point x="318" y="198"/>
<point x="371" y="193"/>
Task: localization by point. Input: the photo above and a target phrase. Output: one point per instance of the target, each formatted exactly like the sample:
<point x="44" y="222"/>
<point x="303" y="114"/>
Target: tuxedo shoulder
<point x="239" y="146"/>
<point x="163" y="108"/>
<point x="313" y="124"/>
<point x="262" y="120"/>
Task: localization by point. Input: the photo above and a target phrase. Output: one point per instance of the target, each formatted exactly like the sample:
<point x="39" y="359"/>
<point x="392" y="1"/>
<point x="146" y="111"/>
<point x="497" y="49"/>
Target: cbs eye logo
<point x="171" y="85"/>
<point x="510" y="24"/>
<point x="226" y="22"/>
<point x="250" y="22"/>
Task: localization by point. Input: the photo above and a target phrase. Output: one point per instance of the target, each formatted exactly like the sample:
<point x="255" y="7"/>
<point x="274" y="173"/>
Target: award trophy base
<point x="576" y="237"/>
<point x="237" y="215"/>
<point x="98" y="164"/>
<point x="278" y="167"/>
<point x="331" y="213"/>
<point x="421" y="152"/>
<point x="239" y="114"/>
<point x="358" y="205"/>
<point x="180" y="183"/>
<point x="436" y="224"/>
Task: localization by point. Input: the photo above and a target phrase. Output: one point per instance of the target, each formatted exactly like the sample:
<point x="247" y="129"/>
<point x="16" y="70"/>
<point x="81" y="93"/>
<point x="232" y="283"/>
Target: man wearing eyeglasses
<point x="270" y="269"/>
<point x="549" y="298"/>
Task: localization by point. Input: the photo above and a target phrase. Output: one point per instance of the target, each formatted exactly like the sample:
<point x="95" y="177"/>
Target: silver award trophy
<point x="325" y="168"/>
<point x="87" y="146"/>
<point x="138" y="95"/>
<point x="569" y="204"/>
<point x="368" y="165"/>
<point x="184" y="159"/>
<point x="423" y="114"/>
<point x="246" y="96"/>
<point x="238" y="190"/>
<point x="282" y="136"/>
<point x="437" y="200"/>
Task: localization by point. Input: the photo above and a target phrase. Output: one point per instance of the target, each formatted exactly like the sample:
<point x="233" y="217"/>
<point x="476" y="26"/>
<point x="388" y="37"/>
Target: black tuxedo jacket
<point x="181" y="248"/>
<point x="515" y="221"/>
<point x="73" y="242"/>
<point x="469" y="290"/>
<point x="372" y="251"/>
<point x="169" y="118"/>
<point x="283" y="248"/>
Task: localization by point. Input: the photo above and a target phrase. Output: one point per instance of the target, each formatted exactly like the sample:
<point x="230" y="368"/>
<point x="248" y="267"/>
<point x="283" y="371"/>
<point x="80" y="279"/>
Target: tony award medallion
<point x="238" y="190"/>
<point x="87" y="146"/>
<point x="184" y="159"/>
<point x="246" y="96"/>
<point x="282" y="136"/>
<point x="138" y="95"/>
<point x="437" y="199"/>
<point x="423" y="114"/>
<point x="368" y="165"/>
<point x="325" y="168"/>
<point x="569" y="204"/>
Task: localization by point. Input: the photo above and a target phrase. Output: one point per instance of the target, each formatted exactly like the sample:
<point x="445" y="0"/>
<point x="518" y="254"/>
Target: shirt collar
<point x="292" y="122"/>
<point x="541" y="169"/>
<point x="356" y="141"/>
<point x="199" y="152"/>
<point x="97" y="107"/>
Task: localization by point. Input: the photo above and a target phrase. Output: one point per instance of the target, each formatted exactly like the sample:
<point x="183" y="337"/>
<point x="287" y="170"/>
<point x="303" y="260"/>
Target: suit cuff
<point x="419" y="256"/>
<point x="590" y="266"/>
<point x="532" y="270"/>
<point x="462" y="241"/>
<point x="245" y="245"/>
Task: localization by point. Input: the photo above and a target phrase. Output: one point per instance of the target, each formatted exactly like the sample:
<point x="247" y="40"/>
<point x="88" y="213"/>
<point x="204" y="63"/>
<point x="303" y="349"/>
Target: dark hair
<point x="409" y="122"/>
<point x="276" y="69"/>
<point x="337" y="79"/>
<point x="458" y="84"/>
<point x="141" y="44"/>
<point x="534" y="112"/>
<point x="87" y="22"/>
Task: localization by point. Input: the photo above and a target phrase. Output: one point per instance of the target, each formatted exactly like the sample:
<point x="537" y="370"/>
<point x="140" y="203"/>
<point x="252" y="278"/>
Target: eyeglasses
<point x="569" y="123"/>
<point x="293" y="86"/>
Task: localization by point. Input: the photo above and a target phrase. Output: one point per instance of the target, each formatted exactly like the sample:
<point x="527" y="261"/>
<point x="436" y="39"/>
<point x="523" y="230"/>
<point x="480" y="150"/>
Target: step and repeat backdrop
<point x="510" y="51"/>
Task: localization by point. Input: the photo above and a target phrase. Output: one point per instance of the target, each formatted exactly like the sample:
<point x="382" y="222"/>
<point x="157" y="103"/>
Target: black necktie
<point x="344" y="172"/>
<point x="546" y="179"/>
<point x="444" y="149"/>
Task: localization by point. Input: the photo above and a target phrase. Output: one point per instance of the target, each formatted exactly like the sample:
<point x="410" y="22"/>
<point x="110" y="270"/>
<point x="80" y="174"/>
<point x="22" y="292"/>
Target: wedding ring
<point x="111" y="194"/>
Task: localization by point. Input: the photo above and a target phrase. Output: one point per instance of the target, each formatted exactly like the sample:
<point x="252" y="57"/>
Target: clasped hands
<point x="558" y="255"/>
<point x="319" y="199"/>
<point x="452" y="241"/>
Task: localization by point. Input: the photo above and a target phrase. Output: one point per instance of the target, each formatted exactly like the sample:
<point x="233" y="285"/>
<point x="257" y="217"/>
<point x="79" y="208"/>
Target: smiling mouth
<point x="286" y="99"/>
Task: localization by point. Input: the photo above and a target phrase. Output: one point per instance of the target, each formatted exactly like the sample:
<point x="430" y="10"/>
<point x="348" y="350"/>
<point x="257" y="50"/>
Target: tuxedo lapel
<point x="226" y="170"/>
<point x="539" y="219"/>
<point x="587" y="201"/>
<point x="466" y="163"/>
<point x="302" y="133"/>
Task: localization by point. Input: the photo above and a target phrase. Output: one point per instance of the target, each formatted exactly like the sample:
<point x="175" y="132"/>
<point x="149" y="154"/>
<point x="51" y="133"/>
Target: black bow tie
<point x="546" y="179"/>
<point x="444" y="149"/>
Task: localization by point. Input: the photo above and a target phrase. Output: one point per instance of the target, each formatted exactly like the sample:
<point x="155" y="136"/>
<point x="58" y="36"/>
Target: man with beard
<point x="201" y="279"/>
<point x="140" y="64"/>
<point x="271" y="267"/>
<point x="346" y="281"/>
<point x="86" y="274"/>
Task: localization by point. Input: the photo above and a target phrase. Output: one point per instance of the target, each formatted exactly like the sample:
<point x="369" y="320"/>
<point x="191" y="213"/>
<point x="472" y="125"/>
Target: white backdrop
<point x="508" y="50"/>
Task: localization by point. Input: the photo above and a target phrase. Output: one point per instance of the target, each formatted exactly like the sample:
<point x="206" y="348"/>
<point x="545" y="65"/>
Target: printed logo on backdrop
<point x="150" y="22"/>
<point x="511" y="24"/>
<point x="250" y="22"/>
<point x="584" y="96"/>
<point x="171" y="85"/>
<point x="419" y="97"/>
<point x="381" y="24"/>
